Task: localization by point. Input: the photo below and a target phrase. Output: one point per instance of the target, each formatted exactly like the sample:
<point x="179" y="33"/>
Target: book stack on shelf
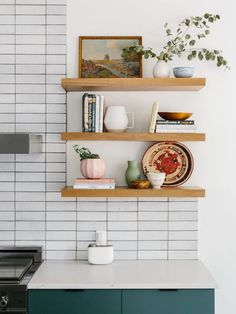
<point x="175" y="126"/>
<point x="92" y="112"/>
<point x="158" y="125"/>
<point x="104" y="184"/>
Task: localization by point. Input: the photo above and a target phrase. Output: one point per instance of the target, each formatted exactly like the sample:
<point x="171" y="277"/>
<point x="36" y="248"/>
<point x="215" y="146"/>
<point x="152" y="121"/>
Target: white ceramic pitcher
<point x="116" y="119"/>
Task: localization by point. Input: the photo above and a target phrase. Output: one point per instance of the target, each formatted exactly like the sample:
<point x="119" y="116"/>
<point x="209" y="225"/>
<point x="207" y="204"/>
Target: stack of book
<point x="104" y="184"/>
<point x="175" y="126"/>
<point x="92" y="112"/>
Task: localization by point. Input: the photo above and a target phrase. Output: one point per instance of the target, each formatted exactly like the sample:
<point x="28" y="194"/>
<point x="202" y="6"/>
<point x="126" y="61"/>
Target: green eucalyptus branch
<point x="184" y="40"/>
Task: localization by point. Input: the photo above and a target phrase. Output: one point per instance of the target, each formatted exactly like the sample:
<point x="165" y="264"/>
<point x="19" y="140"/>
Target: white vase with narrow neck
<point x="161" y="69"/>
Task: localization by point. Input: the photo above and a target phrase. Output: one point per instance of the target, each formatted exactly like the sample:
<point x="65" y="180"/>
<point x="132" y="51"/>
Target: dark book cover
<point x="90" y="105"/>
<point x="85" y="112"/>
<point x="93" y="112"/>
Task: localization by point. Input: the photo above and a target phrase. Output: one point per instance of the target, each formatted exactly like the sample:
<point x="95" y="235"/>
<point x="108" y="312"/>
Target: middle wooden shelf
<point x="135" y="137"/>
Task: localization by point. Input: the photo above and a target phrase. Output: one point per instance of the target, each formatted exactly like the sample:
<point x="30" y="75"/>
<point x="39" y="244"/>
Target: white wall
<point x="214" y="109"/>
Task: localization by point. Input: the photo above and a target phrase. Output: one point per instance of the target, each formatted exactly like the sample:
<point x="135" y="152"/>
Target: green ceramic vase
<point x="132" y="172"/>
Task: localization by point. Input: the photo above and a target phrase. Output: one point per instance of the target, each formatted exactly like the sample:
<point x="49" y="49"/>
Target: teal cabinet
<point x="151" y="301"/>
<point x="181" y="301"/>
<point x="74" y="301"/>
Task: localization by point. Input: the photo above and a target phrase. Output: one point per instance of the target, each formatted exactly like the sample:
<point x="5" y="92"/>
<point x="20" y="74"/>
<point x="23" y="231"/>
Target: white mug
<point x="116" y="119"/>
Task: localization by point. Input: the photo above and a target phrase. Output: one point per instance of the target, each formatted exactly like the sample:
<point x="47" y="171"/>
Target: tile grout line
<point x="107" y="218"/>
<point x="137" y="228"/>
<point x="15" y="122"/>
<point x="76" y="227"/>
<point x="45" y="134"/>
<point x="65" y="153"/>
<point x="168" y="227"/>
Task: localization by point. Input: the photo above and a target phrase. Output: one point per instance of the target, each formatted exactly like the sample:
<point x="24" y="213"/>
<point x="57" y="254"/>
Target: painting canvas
<point x="105" y="57"/>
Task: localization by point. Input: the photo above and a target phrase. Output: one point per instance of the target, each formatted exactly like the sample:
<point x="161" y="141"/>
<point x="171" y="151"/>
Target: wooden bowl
<point x="175" y="115"/>
<point x="140" y="184"/>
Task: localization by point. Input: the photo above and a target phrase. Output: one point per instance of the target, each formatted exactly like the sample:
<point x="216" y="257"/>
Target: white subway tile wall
<point x="32" y="212"/>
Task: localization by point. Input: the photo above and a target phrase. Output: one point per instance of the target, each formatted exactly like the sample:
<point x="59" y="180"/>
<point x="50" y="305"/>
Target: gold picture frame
<point x="103" y="56"/>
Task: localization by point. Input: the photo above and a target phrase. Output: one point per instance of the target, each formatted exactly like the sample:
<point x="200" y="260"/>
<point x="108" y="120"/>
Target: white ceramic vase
<point x="116" y="119"/>
<point x="161" y="69"/>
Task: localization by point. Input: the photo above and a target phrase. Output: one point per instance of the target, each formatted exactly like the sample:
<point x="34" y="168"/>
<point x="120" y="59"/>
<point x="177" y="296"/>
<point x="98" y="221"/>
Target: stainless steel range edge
<point x="17" y="266"/>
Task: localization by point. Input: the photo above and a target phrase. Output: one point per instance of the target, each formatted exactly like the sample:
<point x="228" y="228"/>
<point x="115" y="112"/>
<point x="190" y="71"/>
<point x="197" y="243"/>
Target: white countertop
<point x="123" y="275"/>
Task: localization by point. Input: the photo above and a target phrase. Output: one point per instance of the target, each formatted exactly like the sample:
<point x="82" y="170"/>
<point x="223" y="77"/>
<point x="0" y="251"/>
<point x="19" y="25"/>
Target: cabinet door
<point x="183" y="301"/>
<point x="74" y="301"/>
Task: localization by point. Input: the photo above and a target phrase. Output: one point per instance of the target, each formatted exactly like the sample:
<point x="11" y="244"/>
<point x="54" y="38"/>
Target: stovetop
<point x="17" y="266"/>
<point x="12" y="270"/>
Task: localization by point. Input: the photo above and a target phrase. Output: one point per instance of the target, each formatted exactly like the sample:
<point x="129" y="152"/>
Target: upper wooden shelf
<point x="127" y="192"/>
<point x="133" y="84"/>
<point x="134" y="137"/>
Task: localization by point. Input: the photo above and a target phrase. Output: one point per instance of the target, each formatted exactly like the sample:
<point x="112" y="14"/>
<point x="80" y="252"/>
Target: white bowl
<point x="156" y="179"/>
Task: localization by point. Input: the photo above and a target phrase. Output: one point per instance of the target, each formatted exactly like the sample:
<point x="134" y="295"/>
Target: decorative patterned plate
<point x="173" y="158"/>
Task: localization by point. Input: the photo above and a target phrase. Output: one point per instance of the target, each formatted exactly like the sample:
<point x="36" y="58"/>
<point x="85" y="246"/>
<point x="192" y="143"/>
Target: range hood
<point x="20" y="143"/>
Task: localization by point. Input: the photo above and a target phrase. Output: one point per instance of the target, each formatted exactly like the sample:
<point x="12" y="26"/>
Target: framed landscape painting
<point x="106" y="57"/>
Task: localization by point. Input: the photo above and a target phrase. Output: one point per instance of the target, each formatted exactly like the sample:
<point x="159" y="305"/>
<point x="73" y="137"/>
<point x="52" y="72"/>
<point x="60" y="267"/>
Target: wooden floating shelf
<point x="135" y="137"/>
<point x="133" y="84"/>
<point x="127" y="192"/>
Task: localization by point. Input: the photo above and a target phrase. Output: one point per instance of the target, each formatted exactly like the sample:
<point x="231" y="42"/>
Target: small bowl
<point x="140" y="184"/>
<point x="156" y="179"/>
<point x="175" y="115"/>
<point x="183" y="71"/>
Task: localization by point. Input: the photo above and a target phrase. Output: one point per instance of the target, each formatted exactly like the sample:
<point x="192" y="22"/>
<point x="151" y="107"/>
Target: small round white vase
<point x="161" y="69"/>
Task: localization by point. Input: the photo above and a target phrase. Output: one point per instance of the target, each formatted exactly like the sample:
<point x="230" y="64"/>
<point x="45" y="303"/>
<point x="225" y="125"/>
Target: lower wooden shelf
<point x="184" y="191"/>
<point x="135" y="137"/>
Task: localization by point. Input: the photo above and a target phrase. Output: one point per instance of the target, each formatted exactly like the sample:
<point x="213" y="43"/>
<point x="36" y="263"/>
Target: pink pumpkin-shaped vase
<point x="92" y="168"/>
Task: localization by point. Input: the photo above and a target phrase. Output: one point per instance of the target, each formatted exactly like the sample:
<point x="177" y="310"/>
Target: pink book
<point x="103" y="180"/>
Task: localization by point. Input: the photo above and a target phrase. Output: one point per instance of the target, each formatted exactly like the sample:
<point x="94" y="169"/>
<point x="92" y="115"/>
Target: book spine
<point x="175" y="122"/>
<point x="94" y="181"/>
<point x="175" y="131"/>
<point x="83" y="125"/>
<point x="85" y="113"/>
<point x="93" y="112"/>
<point x="101" y="113"/>
<point x="153" y="118"/>
<point x="90" y="104"/>
<point x="94" y="186"/>
<point x="97" y="113"/>
<point x="176" y="127"/>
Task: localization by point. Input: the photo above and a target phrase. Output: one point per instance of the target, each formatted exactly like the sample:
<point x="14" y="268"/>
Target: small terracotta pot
<point x="92" y="168"/>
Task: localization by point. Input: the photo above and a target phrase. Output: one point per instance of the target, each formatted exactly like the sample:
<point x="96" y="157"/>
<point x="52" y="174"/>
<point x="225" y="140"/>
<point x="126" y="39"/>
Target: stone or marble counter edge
<point x="123" y="275"/>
